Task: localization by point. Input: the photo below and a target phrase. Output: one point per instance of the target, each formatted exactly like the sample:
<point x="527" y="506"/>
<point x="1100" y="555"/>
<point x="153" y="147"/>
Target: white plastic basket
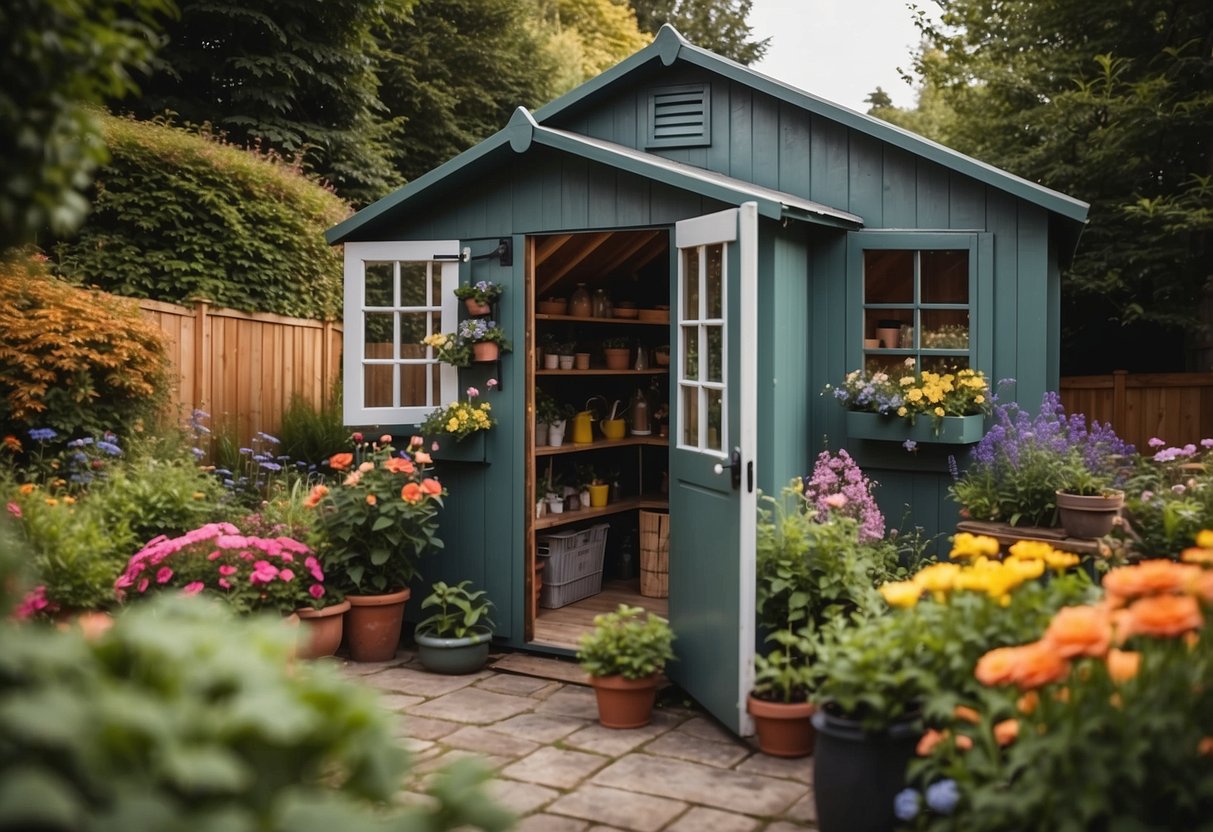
<point x="574" y="565"/>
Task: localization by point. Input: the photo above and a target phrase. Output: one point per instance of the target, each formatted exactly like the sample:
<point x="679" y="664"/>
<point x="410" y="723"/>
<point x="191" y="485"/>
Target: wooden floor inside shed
<point x="564" y="626"/>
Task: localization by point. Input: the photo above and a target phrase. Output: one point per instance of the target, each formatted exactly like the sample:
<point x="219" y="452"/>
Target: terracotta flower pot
<point x="373" y="624"/>
<point x="624" y="703"/>
<point x="321" y="630"/>
<point x="485" y="350"/>
<point x="1089" y="516"/>
<point x="475" y="308"/>
<point x="785" y="729"/>
<point x="617" y="357"/>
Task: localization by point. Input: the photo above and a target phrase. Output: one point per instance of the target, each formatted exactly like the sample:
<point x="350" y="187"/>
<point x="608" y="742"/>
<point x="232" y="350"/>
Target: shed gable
<point x="680" y="116"/>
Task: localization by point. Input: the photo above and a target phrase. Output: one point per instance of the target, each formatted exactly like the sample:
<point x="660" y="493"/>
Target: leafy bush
<point x="460" y="612"/>
<point x="152" y="496"/>
<point x="623" y="643"/>
<point x="180" y="215"/>
<point x="180" y="717"/>
<point x="311" y="434"/>
<point x="78" y="361"/>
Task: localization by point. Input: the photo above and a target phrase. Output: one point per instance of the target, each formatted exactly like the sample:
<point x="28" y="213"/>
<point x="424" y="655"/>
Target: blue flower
<point x="943" y="796"/>
<point x="909" y="444"/>
<point x="110" y="448"/>
<point x="906" y="804"/>
<point x="42" y="434"/>
<point x="271" y="466"/>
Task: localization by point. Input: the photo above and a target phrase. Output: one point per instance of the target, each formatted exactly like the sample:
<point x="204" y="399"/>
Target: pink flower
<point x="227" y="569"/>
<point x="143" y="584"/>
<point x="835" y="500"/>
<point x="224" y="583"/>
<point x="491" y="383"/>
<point x="434" y="447"/>
<point x="313" y="567"/>
<point x="385" y="439"/>
<point x="164" y="575"/>
<point x="14" y="510"/>
<point x="286" y="575"/>
<point x="215" y="555"/>
<point x="473" y="392"/>
<point x="315" y="590"/>
<point x="263" y="572"/>
<point x="357" y="436"/>
<point x="192" y="588"/>
<point x="35" y="601"/>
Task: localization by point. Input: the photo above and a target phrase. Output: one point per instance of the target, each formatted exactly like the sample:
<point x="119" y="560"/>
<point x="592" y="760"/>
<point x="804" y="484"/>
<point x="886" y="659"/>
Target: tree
<point x="58" y="59"/>
<point x="718" y="25"/>
<point x="295" y="76"/>
<point x="879" y="99"/>
<point x="454" y="71"/>
<point x="1111" y="102"/>
<point x="586" y="37"/>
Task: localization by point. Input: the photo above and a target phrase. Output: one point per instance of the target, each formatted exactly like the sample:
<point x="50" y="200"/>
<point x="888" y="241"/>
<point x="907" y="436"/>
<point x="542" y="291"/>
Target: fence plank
<point x="1175" y="407"/>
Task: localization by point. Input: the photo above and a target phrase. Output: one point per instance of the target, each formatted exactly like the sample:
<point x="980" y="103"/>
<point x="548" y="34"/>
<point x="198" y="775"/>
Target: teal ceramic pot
<point x="453" y="656"/>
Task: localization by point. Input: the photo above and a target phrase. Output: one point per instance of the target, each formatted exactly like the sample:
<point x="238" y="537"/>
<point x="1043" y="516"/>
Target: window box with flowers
<point x="457" y="431"/>
<point x="949" y="406"/>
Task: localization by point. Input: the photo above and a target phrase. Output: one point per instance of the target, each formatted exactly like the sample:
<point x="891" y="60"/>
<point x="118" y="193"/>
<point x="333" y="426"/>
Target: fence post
<point x="202" y="356"/>
<point x="326" y="365"/>
<point x="1119" y="403"/>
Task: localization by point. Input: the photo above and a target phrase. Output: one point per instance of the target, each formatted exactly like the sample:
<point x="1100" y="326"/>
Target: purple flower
<point x="838" y="486"/>
<point x="909" y="445"/>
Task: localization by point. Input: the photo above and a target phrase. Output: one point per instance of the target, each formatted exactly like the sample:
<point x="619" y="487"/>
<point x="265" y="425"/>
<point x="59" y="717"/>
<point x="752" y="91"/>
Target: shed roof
<point x="523" y="132"/>
<point x="669" y="46"/>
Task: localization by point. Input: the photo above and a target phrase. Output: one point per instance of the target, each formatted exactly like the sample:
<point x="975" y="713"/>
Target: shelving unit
<point x="638" y="460"/>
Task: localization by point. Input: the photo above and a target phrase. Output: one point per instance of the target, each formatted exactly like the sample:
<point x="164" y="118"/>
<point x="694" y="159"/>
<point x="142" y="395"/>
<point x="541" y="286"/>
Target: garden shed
<point x="683" y="205"/>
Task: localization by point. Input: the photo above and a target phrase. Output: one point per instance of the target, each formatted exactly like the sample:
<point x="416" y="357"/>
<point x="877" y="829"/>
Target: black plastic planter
<point x="857" y="773"/>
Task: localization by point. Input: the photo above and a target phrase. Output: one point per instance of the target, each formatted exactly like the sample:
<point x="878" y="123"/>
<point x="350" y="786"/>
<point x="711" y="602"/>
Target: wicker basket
<point x="654" y="554"/>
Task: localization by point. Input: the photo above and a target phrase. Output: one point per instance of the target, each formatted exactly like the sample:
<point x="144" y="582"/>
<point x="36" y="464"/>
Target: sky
<point x="840" y="50"/>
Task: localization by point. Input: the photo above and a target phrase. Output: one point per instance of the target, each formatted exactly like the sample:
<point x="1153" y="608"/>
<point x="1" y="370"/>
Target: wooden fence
<point x="1175" y="407"/>
<point x="244" y="368"/>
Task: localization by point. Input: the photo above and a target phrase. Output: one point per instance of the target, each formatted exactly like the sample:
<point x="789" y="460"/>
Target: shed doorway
<point x="597" y="346"/>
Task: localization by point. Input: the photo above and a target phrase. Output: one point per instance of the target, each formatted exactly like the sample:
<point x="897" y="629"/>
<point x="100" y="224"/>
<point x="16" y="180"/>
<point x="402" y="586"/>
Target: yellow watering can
<point x="583" y="422"/>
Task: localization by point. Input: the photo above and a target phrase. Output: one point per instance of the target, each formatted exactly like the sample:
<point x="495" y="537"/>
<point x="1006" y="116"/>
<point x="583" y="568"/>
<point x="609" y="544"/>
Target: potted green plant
<point x="455" y="638"/>
<point x="459" y="419"/>
<point x="661" y="355"/>
<point x="1087" y="501"/>
<point x="488" y="340"/>
<point x="615" y="353"/>
<point x="779" y="700"/>
<point x="478" y="297"/>
<point x="624" y="655"/>
<point x="567" y="352"/>
<point x="373" y="529"/>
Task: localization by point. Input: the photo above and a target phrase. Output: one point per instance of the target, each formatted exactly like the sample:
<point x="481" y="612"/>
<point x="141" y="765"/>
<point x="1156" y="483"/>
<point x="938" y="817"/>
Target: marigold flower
<point x="1123" y="664"/>
<point x="411" y="493"/>
<point x="1006" y="732"/>
<point x="26" y="488"/>
<point x="1027" y="666"/>
<point x="1030" y="549"/>
<point x="51" y="501"/>
<point x="1150" y="577"/>
<point x="901" y="593"/>
<point x="938" y="577"/>
<point x="996" y="667"/>
<point x="339" y="462"/>
<point x="1060" y="561"/>
<point x="1165" y="616"/>
<point x="1079" y="631"/>
<point x="966" y="545"/>
<point x="929" y="740"/>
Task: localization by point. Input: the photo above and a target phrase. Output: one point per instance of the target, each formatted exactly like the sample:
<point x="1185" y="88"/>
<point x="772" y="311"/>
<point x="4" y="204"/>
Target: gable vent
<point x="680" y="116"/>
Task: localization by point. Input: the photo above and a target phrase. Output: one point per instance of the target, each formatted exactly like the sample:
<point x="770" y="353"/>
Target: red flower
<point x="339" y="462"/>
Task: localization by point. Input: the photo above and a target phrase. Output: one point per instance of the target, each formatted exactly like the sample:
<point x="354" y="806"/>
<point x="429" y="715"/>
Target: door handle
<point x="734" y="467"/>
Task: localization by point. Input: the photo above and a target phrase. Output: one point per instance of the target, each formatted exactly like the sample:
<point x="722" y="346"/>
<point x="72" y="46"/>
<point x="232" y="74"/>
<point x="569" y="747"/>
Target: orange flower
<point x="339" y="462"/>
<point x="411" y="493"/>
<point x="1150" y="577"/>
<point x="1028" y="703"/>
<point x="1006" y="732"/>
<point x="371" y="499"/>
<point x="12" y="443"/>
<point x="399" y="466"/>
<point x="26" y="488"/>
<point x="967" y="714"/>
<point x="1028" y="666"/>
<point x="1165" y="616"/>
<point x="318" y="492"/>
<point x="1195" y="554"/>
<point x="1079" y="631"/>
<point x="423" y="458"/>
<point x="996" y="667"/>
<point x="1123" y="664"/>
<point x="929" y="740"/>
<point x="1202" y="586"/>
<point x="964" y="743"/>
<point x="1205" y="747"/>
<point x="429" y="485"/>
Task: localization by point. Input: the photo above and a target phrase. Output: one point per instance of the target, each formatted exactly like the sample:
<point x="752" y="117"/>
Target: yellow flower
<point x="1061" y="560"/>
<point x="51" y="501"/>
<point x="1204" y="538"/>
<point x="939" y="411"/>
<point x="938" y="577"/>
<point x="966" y="545"/>
<point x="901" y="411"/>
<point x="914" y="395"/>
<point x="1025" y="568"/>
<point x="1031" y="549"/>
<point x="906" y="381"/>
<point x="69" y="500"/>
<point x="901" y="593"/>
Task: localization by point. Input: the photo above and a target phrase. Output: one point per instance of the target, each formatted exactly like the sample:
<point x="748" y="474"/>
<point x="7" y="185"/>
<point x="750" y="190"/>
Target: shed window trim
<point x="680" y="116"/>
<point x="429" y="383"/>
<point x="863" y="309"/>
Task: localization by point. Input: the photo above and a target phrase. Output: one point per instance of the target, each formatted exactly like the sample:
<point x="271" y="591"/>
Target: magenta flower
<point x="164" y="575"/>
<point x="14" y="510"/>
<point x="316" y="591"/>
<point x="193" y="588"/>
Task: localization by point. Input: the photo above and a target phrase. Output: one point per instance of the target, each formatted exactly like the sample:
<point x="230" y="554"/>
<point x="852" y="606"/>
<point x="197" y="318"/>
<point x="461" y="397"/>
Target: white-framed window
<point x="703" y="346"/>
<point x="397" y="293"/>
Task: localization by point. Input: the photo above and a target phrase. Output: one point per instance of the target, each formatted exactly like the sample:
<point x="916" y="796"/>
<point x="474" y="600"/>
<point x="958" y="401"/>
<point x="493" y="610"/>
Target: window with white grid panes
<point x="394" y="299"/>
<point x="703" y="349"/>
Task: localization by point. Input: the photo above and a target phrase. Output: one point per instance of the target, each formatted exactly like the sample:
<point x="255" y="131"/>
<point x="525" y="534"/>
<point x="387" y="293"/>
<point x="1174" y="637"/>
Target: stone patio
<point x="560" y="771"/>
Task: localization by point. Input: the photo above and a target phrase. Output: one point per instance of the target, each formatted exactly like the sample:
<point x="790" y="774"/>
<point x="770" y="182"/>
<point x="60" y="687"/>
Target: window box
<point x="469" y="449"/>
<point x="953" y="430"/>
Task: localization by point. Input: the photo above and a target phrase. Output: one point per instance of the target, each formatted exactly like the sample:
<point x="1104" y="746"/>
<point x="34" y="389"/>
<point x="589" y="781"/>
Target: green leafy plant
<point x="783" y="673"/>
<point x="548" y="409"/>
<point x="482" y="291"/>
<point x="181" y="716"/>
<point x="310" y="433"/>
<point x="627" y="642"/>
<point x="374" y="527"/>
<point x="616" y="343"/>
<point x="460" y="611"/>
<point x="1168" y="500"/>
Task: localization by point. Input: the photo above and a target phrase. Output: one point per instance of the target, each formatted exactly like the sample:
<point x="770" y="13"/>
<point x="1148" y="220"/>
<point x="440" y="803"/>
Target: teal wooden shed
<point x="750" y="234"/>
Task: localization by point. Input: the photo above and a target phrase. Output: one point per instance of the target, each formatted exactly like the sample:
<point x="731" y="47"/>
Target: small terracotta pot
<point x="785" y="729"/>
<point x="321" y="630"/>
<point x="624" y="703"/>
<point x="617" y="358"/>
<point x="476" y="308"/>
<point x="373" y="624"/>
<point x="485" y="351"/>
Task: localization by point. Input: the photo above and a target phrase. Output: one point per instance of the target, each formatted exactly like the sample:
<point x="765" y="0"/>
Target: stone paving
<point x="560" y="771"/>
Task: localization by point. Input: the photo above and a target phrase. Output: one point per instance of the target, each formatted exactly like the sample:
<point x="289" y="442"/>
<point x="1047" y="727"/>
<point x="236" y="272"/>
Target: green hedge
<point x="179" y="215"/>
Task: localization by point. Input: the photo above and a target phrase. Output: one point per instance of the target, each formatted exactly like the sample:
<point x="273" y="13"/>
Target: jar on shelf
<point x="602" y="304"/>
<point x="580" y="305"/>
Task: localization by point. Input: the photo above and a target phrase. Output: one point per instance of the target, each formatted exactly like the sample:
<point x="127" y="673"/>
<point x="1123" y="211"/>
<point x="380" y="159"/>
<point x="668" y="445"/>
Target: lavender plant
<point x="1015" y="471"/>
